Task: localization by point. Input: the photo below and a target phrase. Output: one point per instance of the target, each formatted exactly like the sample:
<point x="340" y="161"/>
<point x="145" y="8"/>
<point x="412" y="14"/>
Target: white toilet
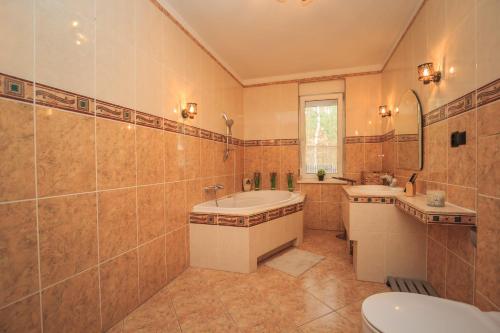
<point x="396" y="312"/>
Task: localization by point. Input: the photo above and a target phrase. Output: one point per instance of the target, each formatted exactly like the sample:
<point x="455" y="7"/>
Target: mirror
<point x="408" y="132"/>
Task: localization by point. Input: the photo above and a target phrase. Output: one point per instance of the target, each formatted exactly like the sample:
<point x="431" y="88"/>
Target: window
<point x="321" y="134"/>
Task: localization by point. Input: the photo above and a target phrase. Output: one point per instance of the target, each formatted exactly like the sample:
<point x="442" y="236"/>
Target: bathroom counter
<point x="449" y="214"/>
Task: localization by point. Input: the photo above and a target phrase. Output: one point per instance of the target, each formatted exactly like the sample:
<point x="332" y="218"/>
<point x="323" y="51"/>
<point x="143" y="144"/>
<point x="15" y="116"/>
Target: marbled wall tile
<point x="354" y="157"/>
<point x="312" y="215"/>
<point x="193" y="193"/>
<point x="174" y="156"/>
<point x="312" y="191"/>
<point x="68" y="236"/>
<point x="331" y="192"/>
<point x="488" y="165"/>
<point x="150" y="155"/>
<point x="19" y="251"/>
<point x="289" y="163"/>
<point x="462" y="159"/>
<point x="220" y="165"/>
<point x="117" y="222"/>
<point x="437" y="149"/>
<point x="271" y="162"/>
<point x="115" y="154"/>
<point x="373" y="158"/>
<point x="459" y="242"/>
<point x="488" y="121"/>
<point x="483" y="303"/>
<point x="461" y="196"/>
<point x="192" y="146"/>
<point x="436" y="266"/>
<point x="407" y="155"/>
<point x="175" y="205"/>
<point x="152" y="268"/>
<point x="253" y="160"/>
<point x="176" y="253"/>
<point x="389" y="158"/>
<point x="207" y="158"/>
<point x="150" y="210"/>
<point x="17" y="165"/>
<point x="23" y="316"/>
<point x="459" y="279"/>
<point x="119" y="288"/>
<point x="488" y="249"/>
<point x="330" y="216"/>
<point x="65" y="152"/>
<point x="73" y="305"/>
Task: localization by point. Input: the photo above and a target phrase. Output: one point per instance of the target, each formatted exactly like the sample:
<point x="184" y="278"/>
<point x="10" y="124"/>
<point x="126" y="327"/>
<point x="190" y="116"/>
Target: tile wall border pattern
<point x="244" y="221"/>
<point x="25" y="91"/>
<point x="483" y="95"/>
<point x="271" y="142"/>
<point x="449" y="219"/>
<point x="367" y="199"/>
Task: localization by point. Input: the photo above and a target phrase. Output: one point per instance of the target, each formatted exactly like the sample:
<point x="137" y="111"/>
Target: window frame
<point x="340" y="132"/>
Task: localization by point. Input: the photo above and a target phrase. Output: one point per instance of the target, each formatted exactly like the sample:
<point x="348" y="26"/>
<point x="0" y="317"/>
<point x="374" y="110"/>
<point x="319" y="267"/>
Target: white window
<point x="321" y="134"/>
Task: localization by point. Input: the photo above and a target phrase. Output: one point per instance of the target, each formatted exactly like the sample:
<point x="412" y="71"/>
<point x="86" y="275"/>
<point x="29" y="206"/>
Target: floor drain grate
<point x="411" y="286"/>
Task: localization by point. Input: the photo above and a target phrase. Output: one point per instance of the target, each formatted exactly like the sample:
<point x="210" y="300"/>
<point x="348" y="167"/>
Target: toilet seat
<point x="396" y="312"/>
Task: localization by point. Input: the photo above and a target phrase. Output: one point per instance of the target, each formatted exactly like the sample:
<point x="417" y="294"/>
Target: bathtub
<point x="233" y="233"/>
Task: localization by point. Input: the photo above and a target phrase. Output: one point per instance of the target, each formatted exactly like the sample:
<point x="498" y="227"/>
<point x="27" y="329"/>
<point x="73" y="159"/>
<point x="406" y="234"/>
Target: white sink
<point x="373" y="190"/>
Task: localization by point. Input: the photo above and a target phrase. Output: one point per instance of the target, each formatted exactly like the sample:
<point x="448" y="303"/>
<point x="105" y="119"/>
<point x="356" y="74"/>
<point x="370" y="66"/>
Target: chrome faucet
<point x="214" y="188"/>
<point x="389" y="180"/>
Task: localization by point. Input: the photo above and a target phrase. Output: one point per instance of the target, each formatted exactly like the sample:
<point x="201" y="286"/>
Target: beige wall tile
<point x="462" y="159"/>
<point x="193" y="193"/>
<point x="271" y="156"/>
<point x="192" y="146"/>
<point x="460" y="244"/>
<point x="174" y="156"/>
<point x="330" y="216"/>
<point x="152" y="268"/>
<point x="175" y="205"/>
<point x="289" y="163"/>
<point x="68" y="236"/>
<point x="354" y="157"/>
<point x="73" y="305"/>
<point x="207" y="158"/>
<point x="150" y="155"/>
<point x="436" y="266"/>
<point x="253" y="161"/>
<point x="150" y="210"/>
<point x="17" y="165"/>
<point x="330" y="192"/>
<point x="119" y="288"/>
<point x="488" y="122"/>
<point x="462" y="196"/>
<point x="437" y="148"/>
<point x="19" y="264"/>
<point x="312" y="215"/>
<point x="65" y="152"/>
<point x="312" y="191"/>
<point x="488" y="165"/>
<point x="117" y="222"/>
<point x="176" y="253"/>
<point x="23" y="316"/>
<point x="115" y="154"/>
<point x="459" y="279"/>
<point x="373" y="160"/>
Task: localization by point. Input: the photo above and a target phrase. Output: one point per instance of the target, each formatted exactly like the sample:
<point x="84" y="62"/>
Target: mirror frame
<point x="420" y="130"/>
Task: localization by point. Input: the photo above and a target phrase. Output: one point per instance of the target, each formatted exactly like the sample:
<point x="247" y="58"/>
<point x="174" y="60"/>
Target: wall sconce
<point x="427" y="74"/>
<point x="383" y="111"/>
<point x="190" y="111"/>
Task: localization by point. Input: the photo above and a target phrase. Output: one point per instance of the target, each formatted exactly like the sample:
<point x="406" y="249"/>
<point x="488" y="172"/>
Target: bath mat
<point x="294" y="261"/>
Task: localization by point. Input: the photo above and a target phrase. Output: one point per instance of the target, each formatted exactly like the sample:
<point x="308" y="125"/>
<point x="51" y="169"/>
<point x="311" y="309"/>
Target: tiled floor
<point x="327" y="298"/>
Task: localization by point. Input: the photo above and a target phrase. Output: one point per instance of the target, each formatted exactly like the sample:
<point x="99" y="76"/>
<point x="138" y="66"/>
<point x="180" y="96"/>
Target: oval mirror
<point x="408" y="132"/>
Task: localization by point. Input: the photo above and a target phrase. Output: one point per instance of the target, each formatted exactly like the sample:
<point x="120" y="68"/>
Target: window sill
<point x="316" y="181"/>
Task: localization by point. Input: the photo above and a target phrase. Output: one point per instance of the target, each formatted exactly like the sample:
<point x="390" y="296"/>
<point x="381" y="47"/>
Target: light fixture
<point x="190" y="111"/>
<point x="427" y="74"/>
<point x="383" y="111"/>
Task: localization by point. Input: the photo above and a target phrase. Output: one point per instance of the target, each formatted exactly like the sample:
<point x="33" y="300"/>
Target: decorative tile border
<point x="369" y="138"/>
<point x="378" y="200"/>
<point x="23" y="90"/>
<point x="436" y="218"/>
<point x="406" y="137"/>
<point x="245" y="220"/>
<point x="483" y="95"/>
<point x="271" y="142"/>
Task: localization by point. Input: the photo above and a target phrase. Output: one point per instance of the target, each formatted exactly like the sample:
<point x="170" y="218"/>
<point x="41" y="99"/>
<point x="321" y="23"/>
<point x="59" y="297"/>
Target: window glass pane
<point x="321" y="136"/>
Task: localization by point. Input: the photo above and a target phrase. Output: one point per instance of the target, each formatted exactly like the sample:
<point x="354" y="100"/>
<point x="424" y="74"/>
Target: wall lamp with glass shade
<point x="190" y="111"/>
<point x="384" y="111"/>
<point x="427" y="74"/>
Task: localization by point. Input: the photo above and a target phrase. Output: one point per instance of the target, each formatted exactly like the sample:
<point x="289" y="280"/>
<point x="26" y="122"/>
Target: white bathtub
<point x="244" y="227"/>
<point x="249" y="203"/>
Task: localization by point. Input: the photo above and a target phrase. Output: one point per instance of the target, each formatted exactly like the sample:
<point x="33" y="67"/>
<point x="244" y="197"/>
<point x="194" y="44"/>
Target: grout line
<point x="36" y="172"/>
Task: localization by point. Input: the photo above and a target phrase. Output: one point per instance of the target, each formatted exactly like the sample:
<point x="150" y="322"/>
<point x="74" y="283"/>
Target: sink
<point x="373" y="190"/>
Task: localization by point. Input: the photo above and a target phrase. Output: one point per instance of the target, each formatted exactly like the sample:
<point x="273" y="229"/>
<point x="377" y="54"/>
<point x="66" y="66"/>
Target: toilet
<point x="397" y="312"/>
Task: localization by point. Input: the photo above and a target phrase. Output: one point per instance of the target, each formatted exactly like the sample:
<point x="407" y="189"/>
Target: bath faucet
<point x="214" y="188"/>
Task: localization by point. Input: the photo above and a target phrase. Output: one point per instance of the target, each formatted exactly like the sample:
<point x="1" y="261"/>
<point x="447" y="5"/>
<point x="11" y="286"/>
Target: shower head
<point x="229" y="122"/>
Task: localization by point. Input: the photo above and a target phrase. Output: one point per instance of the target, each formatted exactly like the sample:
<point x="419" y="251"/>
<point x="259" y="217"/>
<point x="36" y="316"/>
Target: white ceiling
<point x="268" y="40"/>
